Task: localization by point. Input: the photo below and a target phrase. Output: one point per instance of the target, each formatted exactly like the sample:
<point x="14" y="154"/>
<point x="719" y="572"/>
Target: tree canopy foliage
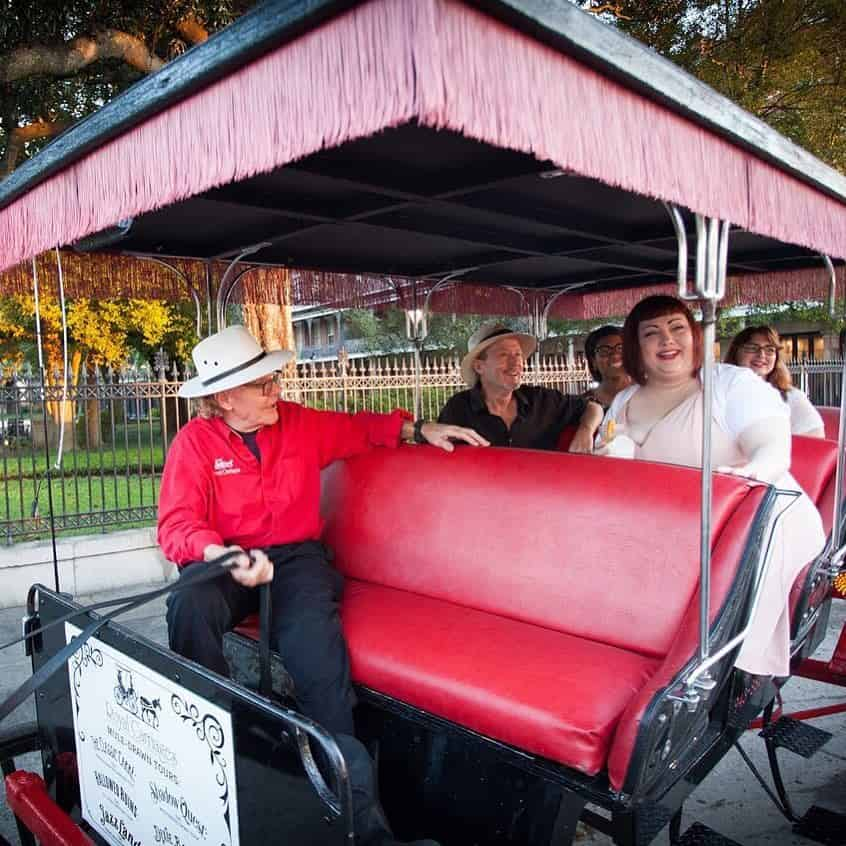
<point x="61" y="59"/>
<point x="101" y="333"/>
<point x="782" y="60"/>
<point x="386" y="331"/>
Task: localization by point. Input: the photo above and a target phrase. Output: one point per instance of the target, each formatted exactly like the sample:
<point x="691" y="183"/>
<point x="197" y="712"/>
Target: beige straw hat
<point x="486" y="335"/>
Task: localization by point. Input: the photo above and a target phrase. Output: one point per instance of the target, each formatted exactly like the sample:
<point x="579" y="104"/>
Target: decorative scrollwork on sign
<point x="208" y="729"/>
<point x="81" y="660"/>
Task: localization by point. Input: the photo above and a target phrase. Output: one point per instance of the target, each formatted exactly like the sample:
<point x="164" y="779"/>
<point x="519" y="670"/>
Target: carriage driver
<point x="508" y="413"/>
<point x="245" y="475"/>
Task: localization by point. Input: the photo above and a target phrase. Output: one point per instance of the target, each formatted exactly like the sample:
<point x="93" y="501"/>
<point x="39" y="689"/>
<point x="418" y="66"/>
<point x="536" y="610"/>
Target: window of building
<point x="807" y="345"/>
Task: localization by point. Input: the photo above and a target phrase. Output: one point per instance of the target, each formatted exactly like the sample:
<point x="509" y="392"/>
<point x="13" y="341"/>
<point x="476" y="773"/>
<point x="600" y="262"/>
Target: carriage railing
<point x="819" y="379"/>
<point x="118" y="426"/>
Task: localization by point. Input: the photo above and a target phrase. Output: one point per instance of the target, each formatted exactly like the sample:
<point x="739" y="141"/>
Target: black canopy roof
<point x="415" y="202"/>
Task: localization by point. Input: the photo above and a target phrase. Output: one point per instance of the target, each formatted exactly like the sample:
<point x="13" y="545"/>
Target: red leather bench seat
<point x="814" y="466"/>
<point x="536" y="598"/>
<point x="813" y="463"/>
<point x="831" y="420"/>
<point x="540" y="690"/>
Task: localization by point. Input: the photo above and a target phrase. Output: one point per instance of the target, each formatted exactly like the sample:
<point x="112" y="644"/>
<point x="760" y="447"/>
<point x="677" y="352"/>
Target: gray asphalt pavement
<point x="729" y="800"/>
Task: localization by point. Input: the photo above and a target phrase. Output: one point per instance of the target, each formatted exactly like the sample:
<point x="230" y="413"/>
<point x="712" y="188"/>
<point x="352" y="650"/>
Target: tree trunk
<point x="93" y="429"/>
<point x="192" y="30"/>
<point x="70" y="58"/>
<point x="175" y="411"/>
<point x="17" y="138"/>
<point x="61" y="411"/>
<point x="271" y="325"/>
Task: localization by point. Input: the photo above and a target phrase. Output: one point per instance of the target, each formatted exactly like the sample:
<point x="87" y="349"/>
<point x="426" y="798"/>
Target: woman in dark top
<point x="604" y="354"/>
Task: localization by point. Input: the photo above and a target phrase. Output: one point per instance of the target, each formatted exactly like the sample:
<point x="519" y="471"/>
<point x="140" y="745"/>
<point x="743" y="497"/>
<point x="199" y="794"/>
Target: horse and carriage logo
<point x="130" y="700"/>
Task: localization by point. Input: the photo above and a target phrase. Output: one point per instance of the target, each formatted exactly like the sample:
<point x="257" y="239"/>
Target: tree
<point x="61" y="59"/>
<point x="386" y="332"/>
<point x="101" y="333"/>
<point x="782" y="60"/>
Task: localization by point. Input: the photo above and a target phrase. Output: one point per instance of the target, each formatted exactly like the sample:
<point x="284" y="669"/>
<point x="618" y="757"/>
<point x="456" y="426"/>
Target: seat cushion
<point x="540" y="690"/>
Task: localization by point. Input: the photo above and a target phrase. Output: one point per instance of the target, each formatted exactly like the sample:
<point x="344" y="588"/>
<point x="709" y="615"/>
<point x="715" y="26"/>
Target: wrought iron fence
<point x="820" y="380"/>
<point x="114" y="430"/>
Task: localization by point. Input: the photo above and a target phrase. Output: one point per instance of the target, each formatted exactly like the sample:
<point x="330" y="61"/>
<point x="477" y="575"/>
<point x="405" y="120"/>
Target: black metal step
<point x="822" y="825"/>
<point x="700" y="835"/>
<point x="796" y="736"/>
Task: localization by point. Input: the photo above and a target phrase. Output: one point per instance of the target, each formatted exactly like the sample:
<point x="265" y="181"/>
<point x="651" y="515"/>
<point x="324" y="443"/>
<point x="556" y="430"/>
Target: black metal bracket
<point x="824" y="826"/>
<point x="700" y="835"/>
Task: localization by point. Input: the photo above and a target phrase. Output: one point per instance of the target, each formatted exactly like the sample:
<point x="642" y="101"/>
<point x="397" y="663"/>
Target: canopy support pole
<point x="226" y="286"/>
<point x="837" y="518"/>
<point x="42" y="369"/>
<point x="198" y="311"/>
<point x="832" y="284"/>
<point x="709" y="287"/>
<point x="208" y="274"/>
<point x="417" y="330"/>
<point x="543" y="321"/>
<point x="225" y="297"/>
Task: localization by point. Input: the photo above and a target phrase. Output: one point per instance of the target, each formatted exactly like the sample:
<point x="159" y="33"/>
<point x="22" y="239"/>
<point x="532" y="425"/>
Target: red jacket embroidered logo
<point x="222" y="467"/>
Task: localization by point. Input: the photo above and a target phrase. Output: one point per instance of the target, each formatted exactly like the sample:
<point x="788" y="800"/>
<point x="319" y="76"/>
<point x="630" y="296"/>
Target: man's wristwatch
<point x="418" y="432"/>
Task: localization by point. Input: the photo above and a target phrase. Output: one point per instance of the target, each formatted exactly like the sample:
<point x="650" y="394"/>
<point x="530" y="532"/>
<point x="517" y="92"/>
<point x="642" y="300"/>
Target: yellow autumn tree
<point x="101" y="333"/>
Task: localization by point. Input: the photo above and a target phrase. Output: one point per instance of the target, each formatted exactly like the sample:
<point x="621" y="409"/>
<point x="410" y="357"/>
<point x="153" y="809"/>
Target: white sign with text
<point x="156" y="762"/>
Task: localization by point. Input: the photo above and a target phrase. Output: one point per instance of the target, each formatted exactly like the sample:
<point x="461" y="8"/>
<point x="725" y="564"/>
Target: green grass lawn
<point x="79" y="495"/>
<point x="134" y="447"/>
<point x="122" y="473"/>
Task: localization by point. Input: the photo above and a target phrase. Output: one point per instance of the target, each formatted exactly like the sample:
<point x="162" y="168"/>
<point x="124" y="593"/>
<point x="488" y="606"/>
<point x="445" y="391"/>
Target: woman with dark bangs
<point x="661" y="414"/>
<point x="759" y="349"/>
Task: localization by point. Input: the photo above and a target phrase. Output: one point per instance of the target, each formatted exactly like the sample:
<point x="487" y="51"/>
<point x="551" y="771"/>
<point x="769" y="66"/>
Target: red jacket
<point x="214" y="491"/>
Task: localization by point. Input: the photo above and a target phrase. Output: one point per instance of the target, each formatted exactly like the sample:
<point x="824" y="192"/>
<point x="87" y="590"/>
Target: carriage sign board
<point x="156" y="761"/>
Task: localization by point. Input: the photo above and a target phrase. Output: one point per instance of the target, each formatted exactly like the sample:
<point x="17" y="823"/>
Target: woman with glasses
<point x="604" y="354"/>
<point x="759" y="349"/>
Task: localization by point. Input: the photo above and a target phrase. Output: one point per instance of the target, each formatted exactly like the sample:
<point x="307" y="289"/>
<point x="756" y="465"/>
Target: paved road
<point x="729" y="800"/>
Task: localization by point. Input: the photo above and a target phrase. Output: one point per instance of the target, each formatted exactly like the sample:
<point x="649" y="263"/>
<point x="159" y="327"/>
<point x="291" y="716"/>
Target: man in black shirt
<point x="507" y="413"/>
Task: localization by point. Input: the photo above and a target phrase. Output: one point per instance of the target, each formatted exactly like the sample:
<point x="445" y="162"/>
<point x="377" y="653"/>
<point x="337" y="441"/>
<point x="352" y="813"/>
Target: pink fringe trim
<point x="388" y="62"/>
<point x="107" y="276"/>
<point x="752" y="289"/>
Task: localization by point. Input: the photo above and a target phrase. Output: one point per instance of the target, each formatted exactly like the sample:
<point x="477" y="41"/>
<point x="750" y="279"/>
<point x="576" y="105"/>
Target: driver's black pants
<point x="306" y="632"/>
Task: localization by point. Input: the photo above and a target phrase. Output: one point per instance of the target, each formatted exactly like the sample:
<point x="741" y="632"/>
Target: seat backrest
<point x="599" y="548"/>
<point x="565" y="438"/>
<point x="813" y="463"/>
<point x="831" y="420"/>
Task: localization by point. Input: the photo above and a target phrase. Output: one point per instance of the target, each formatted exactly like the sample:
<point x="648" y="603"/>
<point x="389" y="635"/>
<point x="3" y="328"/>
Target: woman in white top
<point x="759" y="349"/>
<point x="661" y="418"/>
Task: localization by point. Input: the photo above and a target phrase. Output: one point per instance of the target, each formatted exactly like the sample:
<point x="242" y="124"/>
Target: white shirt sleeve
<point x="741" y="399"/>
<point x="803" y="416"/>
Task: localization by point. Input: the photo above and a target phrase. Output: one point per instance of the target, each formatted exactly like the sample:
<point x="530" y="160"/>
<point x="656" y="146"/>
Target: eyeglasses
<point x="769" y="350"/>
<point x="607" y="349"/>
<point x="267" y="386"/>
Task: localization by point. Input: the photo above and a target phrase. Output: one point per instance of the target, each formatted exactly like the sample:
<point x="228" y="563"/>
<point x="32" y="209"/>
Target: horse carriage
<point x="532" y="643"/>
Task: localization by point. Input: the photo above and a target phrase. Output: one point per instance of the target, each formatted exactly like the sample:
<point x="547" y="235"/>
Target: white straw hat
<point x="230" y="358"/>
<point x="486" y="335"/>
